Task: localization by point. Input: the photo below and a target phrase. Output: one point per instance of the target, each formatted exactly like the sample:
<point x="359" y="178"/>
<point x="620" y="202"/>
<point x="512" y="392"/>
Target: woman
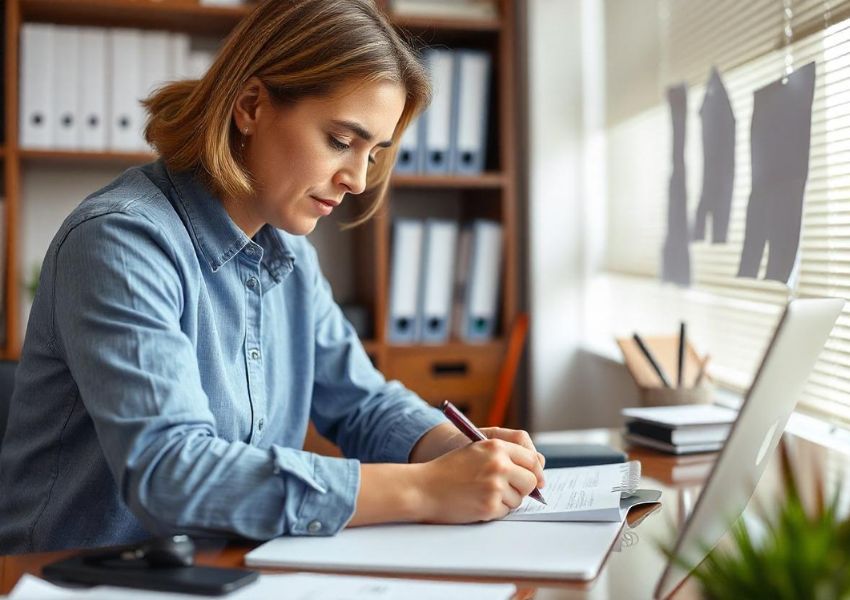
<point x="183" y="335"/>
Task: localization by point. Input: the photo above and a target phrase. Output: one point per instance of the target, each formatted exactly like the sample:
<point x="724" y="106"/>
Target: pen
<point x="702" y="369"/>
<point x="651" y="360"/>
<point x="680" y="374"/>
<point x="466" y="427"/>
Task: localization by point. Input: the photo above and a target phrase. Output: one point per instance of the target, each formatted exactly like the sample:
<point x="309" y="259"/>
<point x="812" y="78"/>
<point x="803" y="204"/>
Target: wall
<point x="590" y="63"/>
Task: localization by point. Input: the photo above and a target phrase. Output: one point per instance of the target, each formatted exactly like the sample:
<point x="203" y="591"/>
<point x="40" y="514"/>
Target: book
<point x="683" y="415"/>
<point x="681" y="429"/>
<point x="690" y="434"/>
<point x="672" y="448"/>
<point x="594" y="493"/>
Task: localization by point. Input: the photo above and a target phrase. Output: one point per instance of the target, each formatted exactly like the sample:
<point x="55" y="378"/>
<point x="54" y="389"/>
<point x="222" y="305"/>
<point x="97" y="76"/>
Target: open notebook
<point x="596" y="493"/>
<point x="584" y="517"/>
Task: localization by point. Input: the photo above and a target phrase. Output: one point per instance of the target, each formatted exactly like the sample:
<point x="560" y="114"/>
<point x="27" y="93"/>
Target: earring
<point x="242" y="142"/>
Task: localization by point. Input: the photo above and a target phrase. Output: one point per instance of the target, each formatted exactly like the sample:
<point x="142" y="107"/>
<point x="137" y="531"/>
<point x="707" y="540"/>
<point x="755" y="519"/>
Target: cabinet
<point x="463" y="373"/>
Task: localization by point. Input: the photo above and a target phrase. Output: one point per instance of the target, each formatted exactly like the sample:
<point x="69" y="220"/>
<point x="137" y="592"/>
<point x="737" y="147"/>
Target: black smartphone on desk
<point x="205" y="581"/>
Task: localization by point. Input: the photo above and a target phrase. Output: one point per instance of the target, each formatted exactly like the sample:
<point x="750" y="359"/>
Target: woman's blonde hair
<point x="298" y="49"/>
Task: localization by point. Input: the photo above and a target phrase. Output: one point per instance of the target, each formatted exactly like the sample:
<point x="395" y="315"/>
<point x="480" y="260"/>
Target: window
<point x="732" y="318"/>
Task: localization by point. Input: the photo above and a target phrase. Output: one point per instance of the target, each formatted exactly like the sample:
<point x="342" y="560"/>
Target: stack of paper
<point x="682" y="429"/>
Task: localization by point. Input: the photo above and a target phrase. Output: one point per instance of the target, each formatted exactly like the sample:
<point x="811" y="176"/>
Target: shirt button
<point x="252" y="282"/>
<point x="314" y="527"/>
<point x="251" y="250"/>
<point x="260" y="424"/>
<point x="254" y="354"/>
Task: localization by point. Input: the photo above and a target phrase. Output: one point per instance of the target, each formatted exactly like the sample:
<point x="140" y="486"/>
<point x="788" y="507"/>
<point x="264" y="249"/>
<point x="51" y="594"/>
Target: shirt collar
<point x="218" y="238"/>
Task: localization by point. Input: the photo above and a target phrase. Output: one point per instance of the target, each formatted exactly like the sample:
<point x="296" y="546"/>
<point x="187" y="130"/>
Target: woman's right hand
<point x="479" y="482"/>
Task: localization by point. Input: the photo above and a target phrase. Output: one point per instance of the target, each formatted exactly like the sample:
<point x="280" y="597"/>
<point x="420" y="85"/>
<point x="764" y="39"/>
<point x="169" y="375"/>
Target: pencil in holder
<point x="696" y="387"/>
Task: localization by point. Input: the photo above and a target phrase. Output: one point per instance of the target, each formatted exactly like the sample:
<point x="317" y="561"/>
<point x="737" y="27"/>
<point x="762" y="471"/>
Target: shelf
<point x="451" y="347"/>
<point x="81" y="156"/>
<point x="422" y="23"/>
<point x="490" y="180"/>
<point x="176" y="15"/>
<point x="190" y="16"/>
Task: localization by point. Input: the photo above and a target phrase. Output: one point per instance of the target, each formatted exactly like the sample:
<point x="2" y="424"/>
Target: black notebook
<point x="579" y="455"/>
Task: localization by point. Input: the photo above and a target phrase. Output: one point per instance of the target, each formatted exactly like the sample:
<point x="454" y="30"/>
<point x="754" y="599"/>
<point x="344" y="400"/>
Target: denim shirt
<point x="169" y="370"/>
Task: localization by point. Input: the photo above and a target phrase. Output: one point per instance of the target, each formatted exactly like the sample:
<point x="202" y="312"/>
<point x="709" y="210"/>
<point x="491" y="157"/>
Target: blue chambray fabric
<point x="168" y="373"/>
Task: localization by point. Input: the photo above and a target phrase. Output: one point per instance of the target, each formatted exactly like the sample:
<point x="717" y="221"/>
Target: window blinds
<point x="734" y="317"/>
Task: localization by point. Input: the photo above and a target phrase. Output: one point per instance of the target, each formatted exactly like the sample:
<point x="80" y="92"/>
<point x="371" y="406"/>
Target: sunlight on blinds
<point x="734" y="317"/>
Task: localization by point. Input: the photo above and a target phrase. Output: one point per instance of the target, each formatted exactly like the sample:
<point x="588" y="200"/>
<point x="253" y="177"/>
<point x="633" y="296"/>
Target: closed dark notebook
<point x="693" y="434"/>
<point x="579" y="455"/>
<point x="656" y="432"/>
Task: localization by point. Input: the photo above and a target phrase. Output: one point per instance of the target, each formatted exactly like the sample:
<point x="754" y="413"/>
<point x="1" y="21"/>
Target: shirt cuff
<point x="321" y="491"/>
<point x="413" y="423"/>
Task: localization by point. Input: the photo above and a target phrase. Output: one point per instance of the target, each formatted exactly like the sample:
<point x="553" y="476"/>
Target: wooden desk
<point x="631" y="570"/>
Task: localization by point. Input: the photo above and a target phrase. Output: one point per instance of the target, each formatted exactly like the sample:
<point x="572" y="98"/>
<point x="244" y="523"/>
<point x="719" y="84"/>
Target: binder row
<point x="444" y="281"/>
<point x="81" y="87"/>
<point x="451" y="135"/>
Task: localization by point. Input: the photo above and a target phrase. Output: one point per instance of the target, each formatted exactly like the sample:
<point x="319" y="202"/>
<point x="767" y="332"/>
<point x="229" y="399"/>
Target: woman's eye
<point x="337" y="145"/>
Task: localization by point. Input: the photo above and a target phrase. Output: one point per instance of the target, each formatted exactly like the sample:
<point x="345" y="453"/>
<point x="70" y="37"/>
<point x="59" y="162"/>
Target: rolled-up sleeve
<point x="353" y="405"/>
<point x="118" y="303"/>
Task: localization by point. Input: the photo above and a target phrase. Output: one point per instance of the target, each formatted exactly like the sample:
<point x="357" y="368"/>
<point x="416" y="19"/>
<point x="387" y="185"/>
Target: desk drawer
<point x="464" y="375"/>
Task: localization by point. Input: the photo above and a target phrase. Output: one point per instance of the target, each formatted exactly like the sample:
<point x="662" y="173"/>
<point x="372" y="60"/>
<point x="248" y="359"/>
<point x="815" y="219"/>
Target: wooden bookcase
<point x="463" y="373"/>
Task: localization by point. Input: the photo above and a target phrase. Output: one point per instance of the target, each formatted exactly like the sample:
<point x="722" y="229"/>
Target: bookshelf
<point x="463" y="373"/>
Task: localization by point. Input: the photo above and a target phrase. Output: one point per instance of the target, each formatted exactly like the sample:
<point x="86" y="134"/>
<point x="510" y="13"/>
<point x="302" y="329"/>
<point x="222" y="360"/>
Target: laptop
<point x="796" y="344"/>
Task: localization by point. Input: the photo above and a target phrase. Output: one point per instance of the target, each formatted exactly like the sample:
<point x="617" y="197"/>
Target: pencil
<point x="701" y="371"/>
<point x="651" y="360"/>
<point x="680" y="373"/>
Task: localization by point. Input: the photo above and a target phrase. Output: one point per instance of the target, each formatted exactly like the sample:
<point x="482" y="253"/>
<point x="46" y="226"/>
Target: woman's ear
<point x="249" y="103"/>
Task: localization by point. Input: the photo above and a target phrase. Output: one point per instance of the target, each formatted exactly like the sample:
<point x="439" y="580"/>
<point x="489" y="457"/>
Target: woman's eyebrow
<point x="360" y="132"/>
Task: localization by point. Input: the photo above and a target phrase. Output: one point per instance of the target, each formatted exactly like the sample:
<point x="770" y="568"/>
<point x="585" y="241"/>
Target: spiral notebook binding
<point x="630" y="479"/>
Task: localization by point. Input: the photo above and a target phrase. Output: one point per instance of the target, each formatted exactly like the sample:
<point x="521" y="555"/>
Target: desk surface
<point x="631" y="570"/>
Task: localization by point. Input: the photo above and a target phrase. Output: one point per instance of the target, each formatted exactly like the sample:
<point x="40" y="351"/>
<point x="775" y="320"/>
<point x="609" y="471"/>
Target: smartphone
<point x="206" y="581"/>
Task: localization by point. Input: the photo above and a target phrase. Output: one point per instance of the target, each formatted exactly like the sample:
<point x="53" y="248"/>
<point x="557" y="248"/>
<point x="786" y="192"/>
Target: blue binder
<point x="469" y="136"/>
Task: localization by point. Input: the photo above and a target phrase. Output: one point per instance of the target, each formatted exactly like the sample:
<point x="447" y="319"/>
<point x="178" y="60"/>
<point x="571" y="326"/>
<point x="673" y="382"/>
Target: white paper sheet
<point x="298" y="586"/>
<point x="576" y="494"/>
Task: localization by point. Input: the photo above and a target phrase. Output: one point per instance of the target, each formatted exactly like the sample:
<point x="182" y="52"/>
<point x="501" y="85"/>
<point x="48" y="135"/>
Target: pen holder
<point x="697" y="386"/>
<point x="662" y="396"/>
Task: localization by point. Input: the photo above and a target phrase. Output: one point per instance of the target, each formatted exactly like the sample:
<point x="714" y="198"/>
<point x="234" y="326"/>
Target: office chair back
<point x="7" y="384"/>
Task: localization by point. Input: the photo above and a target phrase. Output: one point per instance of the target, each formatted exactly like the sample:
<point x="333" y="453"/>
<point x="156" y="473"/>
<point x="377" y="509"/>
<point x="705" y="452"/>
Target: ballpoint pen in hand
<point x="466" y="427"/>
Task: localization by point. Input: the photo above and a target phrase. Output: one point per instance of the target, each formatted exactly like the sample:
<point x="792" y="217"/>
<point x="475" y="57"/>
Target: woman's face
<point x="305" y="158"/>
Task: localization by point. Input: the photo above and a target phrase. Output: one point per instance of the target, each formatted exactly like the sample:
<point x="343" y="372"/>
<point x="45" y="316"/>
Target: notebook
<point x="597" y="493"/>
<point x="508" y="548"/>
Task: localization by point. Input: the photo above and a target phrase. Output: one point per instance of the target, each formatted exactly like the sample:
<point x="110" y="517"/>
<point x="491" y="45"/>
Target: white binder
<point x="438" y="120"/>
<point x="36" y="85"/>
<point x="93" y="117"/>
<point x="409" y="155"/>
<point x="481" y="296"/>
<point x="179" y="44"/>
<point x="125" y="86"/>
<point x="473" y="85"/>
<point x="438" y="260"/>
<point x="405" y="280"/>
<point x="200" y="62"/>
<point x="66" y="85"/>
<point x="156" y="70"/>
